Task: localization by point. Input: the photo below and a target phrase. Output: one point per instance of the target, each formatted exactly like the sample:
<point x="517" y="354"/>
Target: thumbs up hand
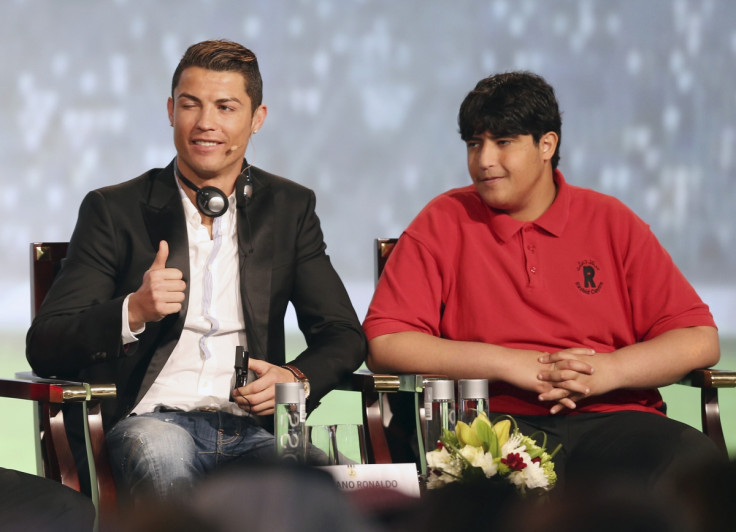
<point x="159" y="262"/>
<point x="160" y="294"/>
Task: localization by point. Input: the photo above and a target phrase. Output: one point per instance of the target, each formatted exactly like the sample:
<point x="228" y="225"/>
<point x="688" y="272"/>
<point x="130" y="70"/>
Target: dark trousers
<point x="31" y="503"/>
<point x="641" y="447"/>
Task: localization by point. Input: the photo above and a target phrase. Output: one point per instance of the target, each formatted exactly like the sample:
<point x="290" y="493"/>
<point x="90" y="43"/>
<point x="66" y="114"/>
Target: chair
<point x="708" y="380"/>
<point x="55" y="459"/>
<point x="52" y="400"/>
<point x="393" y="415"/>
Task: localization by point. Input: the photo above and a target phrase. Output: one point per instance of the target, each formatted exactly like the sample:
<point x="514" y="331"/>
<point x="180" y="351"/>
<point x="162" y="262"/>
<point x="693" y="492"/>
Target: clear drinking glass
<point x="289" y="421"/>
<point x="343" y="444"/>
<point x="439" y="410"/>
<point x="472" y="399"/>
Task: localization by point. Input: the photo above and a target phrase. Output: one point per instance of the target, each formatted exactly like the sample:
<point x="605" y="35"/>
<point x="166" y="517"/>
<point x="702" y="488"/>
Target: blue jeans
<point x="163" y="453"/>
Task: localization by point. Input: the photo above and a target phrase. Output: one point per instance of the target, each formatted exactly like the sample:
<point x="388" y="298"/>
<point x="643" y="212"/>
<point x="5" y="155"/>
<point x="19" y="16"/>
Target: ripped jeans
<point x="163" y="453"/>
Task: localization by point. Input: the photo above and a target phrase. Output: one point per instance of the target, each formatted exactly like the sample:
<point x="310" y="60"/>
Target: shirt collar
<point x="553" y="220"/>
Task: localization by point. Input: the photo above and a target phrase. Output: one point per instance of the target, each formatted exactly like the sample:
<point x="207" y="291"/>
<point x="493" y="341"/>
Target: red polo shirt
<point x="587" y="273"/>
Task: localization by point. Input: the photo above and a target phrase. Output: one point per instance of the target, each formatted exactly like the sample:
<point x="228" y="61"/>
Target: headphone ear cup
<point x="211" y="201"/>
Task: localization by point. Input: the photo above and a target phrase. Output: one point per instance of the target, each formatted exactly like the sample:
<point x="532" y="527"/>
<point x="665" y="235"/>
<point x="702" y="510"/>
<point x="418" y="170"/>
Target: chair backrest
<point x="52" y="443"/>
<point x="404" y="412"/>
<point x="46" y="260"/>
<point x="383" y="248"/>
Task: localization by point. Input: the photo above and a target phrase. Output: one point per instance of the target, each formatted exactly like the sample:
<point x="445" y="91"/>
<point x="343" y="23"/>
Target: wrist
<point x="133" y="320"/>
<point x="132" y="324"/>
<point x="299" y="377"/>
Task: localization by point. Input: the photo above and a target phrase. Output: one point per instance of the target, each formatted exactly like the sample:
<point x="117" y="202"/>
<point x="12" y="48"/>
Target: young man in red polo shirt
<point x="560" y="296"/>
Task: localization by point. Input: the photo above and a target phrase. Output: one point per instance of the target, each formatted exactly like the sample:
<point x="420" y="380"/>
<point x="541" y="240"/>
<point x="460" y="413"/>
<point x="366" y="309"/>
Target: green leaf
<point x="449" y="438"/>
<point x="488" y="438"/>
<point x="473" y="473"/>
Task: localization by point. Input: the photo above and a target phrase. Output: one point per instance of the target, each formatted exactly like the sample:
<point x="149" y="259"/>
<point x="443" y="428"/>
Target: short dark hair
<point x="224" y="56"/>
<point x="511" y="104"/>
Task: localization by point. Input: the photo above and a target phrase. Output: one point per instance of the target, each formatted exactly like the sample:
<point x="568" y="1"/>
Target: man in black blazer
<point x="147" y="296"/>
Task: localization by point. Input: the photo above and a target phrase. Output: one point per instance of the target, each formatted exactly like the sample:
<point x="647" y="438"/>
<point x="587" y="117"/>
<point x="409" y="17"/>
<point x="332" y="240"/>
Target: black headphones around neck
<point x="211" y="201"/>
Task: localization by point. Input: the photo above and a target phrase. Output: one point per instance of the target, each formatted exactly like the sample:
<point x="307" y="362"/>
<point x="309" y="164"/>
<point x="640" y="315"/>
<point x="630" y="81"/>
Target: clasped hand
<point x="566" y="371"/>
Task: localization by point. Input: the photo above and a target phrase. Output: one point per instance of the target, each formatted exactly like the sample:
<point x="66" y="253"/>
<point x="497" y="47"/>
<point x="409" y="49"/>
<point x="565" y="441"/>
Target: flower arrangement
<point x="486" y="450"/>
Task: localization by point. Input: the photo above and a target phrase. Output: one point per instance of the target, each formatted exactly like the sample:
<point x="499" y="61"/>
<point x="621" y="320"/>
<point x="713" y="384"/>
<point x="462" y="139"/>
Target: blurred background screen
<point x="363" y="99"/>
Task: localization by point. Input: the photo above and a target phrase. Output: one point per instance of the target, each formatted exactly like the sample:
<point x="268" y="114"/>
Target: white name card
<point x="401" y="477"/>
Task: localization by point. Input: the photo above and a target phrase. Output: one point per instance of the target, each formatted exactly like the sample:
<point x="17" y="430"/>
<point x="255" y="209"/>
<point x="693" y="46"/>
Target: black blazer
<point x="76" y="333"/>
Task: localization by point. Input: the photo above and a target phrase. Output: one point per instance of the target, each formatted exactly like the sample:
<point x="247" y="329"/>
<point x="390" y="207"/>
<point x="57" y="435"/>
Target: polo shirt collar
<point x="553" y="220"/>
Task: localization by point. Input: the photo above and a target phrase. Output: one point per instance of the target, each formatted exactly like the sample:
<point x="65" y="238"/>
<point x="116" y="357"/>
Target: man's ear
<point x="170" y="109"/>
<point x="548" y="144"/>
<point x="259" y="116"/>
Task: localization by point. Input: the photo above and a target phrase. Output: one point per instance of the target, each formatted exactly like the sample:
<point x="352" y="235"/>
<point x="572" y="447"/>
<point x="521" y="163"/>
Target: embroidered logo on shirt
<point x="587" y="270"/>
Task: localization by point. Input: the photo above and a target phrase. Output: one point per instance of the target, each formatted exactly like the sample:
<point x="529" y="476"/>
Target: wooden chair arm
<point x="58" y="459"/>
<point x="710" y="378"/>
<point x="71" y="390"/>
<point x="366" y="380"/>
<point x="710" y="381"/>
<point x="372" y="387"/>
<point x="37" y="390"/>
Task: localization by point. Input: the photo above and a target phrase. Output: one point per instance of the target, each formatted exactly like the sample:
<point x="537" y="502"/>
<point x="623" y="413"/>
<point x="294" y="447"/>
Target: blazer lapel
<point x="163" y="215"/>
<point x="255" y="243"/>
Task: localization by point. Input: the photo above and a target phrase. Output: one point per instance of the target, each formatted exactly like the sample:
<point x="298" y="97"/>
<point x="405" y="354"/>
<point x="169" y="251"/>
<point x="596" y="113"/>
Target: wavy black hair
<point x="512" y="104"/>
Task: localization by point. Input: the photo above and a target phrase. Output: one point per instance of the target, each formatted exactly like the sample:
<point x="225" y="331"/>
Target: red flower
<point x="514" y="461"/>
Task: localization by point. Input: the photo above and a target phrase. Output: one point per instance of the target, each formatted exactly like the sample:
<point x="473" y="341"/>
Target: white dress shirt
<point x="199" y="374"/>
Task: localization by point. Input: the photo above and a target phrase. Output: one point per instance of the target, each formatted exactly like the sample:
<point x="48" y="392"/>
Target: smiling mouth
<point x="205" y="143"/>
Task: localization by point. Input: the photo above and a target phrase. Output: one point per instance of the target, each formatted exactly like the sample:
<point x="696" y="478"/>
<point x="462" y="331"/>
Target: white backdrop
<point x="363" y="98"/>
